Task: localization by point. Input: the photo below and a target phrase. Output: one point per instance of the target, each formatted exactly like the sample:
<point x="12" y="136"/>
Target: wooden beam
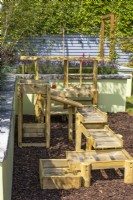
<point x="102" y="39"/>
<point x="71" y="58"/>
<point x="107" y="16"/>
<point x="67" y="101"/>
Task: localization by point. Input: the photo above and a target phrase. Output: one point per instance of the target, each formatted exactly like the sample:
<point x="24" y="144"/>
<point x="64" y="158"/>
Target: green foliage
<point x="22" y="18"/>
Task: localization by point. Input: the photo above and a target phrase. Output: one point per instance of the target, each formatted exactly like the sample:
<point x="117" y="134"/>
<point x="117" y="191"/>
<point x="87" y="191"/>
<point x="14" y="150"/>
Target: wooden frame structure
<point x="33" y="87"/>
<point x="112" y="26"/>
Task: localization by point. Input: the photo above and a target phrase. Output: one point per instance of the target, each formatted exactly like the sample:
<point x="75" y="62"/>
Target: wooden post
<point x="36" y="70"/>
<point x="78" y="132"/>
<point x="112" y="41"/>
<point x="89" y="143"/>
<point x="20" y="115"/>
<point x="128" y="175"/>
<point x="70" y="122"/>
<point x="23" y="68"/>
<point x="80" y="71"/>
<point x="95" y="94"/>
<point x="86" y="174"/>
<point x="102" y="39"/>
<point x="65" y="73"/>
<point x="47" y="123"/>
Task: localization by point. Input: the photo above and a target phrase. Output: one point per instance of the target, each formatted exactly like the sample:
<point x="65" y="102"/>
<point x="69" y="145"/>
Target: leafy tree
<point x="22" y="18"/>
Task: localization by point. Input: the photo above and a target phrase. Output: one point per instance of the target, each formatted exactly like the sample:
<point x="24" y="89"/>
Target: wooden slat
<point x="33" y="144"/>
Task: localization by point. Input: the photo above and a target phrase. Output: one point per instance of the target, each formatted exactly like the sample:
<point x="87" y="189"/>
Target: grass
<point x="129" y="104"/>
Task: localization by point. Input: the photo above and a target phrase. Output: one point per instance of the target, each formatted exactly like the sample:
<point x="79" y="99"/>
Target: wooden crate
<point x="33" y="129"/>
<point x="55" y="174"/>
<point x="102" y="159"/>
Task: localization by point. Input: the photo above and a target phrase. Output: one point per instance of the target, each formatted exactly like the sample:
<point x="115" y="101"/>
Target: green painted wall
<point x="1" y="182"/>
<point x="129" y="83"/>
<point x="8" y="165"/>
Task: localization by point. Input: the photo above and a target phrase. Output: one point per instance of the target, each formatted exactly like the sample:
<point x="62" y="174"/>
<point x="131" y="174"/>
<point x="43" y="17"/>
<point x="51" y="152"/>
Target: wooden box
<point x="55" y="174"/>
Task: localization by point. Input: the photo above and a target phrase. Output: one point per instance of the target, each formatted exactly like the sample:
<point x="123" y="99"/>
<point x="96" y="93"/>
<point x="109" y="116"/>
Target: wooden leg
<point x="86" y="174"/>
<point x="89" y="143"/>
<point x="70" y="124"/>
<point x="128" y="176"/>
<point x="78" y="133"/>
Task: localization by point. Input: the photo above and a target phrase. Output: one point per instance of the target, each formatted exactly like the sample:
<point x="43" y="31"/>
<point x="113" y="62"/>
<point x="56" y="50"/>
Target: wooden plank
<point x="57" y="163"/>
<point x="81" y="75"/>
<point x="24" y="144"/>
<point x="33" y="133"/>
<point x="33" y="125"/>
<point x="71" y="58"/>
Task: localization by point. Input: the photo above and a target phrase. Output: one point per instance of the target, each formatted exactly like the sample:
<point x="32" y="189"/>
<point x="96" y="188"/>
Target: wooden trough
<point x="89" y="117"/>
<point x="55" y="174"/>
<point x="103" y="138"/>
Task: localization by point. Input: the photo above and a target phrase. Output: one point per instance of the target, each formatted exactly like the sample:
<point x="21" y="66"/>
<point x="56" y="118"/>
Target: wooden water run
<point x="104" y="148"/>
